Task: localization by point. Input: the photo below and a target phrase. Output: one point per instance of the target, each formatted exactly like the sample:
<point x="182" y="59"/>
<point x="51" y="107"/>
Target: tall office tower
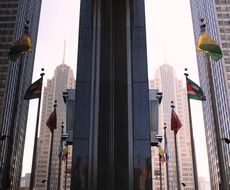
<point x="173" y="90"/>
<point x="111" y="147"/>
<point x="204" y="184"/>
<point x="25" y="180"/>
<point x="216" y="14"/>
<point x="13" y="109"/>
<point x="63" y="79"/>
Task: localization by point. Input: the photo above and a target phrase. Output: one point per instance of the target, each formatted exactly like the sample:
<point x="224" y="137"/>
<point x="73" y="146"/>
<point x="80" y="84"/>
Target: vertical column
<point x="112" y="131"/>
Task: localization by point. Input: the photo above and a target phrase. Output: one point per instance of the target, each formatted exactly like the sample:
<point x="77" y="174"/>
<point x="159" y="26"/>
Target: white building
<point x="25" y="180"/>
<point x="63" y="79"/>
<point x="204" y="184"/>
<point x="173" y="90"/>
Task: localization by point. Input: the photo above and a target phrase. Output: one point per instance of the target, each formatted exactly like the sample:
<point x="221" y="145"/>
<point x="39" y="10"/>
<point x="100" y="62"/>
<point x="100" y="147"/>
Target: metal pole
<point x="160" y="172"/>
<point x="66" y="164"/>
<point x="166" y="155"/>
<point x="51" y="153"/>
<point x="177" y="162"/>
<point x="192" y="142"/>
<point x="50" y="162"/>
<point x="223" y="182"/>
<point x="59" y="165"/>
<point x="33" y="168"/>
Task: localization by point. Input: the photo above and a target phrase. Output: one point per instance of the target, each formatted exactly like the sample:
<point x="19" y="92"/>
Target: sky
<point x="169" y="40"/>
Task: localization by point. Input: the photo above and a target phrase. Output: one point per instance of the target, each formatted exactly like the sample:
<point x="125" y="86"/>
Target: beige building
<point x="204" y="184"/>
<point x="63" y="79"/>
<point x="173" y="90"/>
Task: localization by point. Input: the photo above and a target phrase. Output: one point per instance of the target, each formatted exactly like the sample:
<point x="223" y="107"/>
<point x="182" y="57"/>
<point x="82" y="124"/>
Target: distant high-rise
<point x="204" y="184"/>
<point x="217" y="16"/>
<point x="13" y="15"/>
<point x="63" y="79"/>
<point x="173" y="90"/>
<point x="25" y="180"/>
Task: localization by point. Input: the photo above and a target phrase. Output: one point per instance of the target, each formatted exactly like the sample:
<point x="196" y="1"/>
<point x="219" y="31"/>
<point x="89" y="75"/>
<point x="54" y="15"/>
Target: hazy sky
<point x="169" y="40"/>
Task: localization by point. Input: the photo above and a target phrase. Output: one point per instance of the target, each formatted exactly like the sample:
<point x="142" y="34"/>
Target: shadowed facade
<point x="112" y="128"/>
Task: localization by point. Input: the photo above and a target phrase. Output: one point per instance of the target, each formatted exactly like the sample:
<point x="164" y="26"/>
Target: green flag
<point x="206" y="44"/>
<point x="34" y="90"/>
<point x="194" y="91"/>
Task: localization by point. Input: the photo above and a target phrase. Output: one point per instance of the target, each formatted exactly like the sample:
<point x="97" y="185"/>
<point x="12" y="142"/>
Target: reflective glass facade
<point x="216" y="13"/>
<point x="13" y="14"/>
<point x="111" y="140"/>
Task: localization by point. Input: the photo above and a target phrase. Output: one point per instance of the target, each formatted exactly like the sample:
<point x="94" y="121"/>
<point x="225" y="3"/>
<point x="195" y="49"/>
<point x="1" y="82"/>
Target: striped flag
<point x="34" y="90"/>
<point x="194" y="91"/>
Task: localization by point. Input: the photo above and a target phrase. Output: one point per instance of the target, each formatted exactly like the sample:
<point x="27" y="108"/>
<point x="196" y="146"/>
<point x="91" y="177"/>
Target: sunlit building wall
<point x="217" y="16"/>
<point x="174" y="90"/>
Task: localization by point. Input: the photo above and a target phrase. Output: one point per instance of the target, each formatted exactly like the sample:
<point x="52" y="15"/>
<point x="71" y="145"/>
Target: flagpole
<point x="60" y="160"/>
<point x="166" y="155"/>
<point x="223" y="182"/>
<point x="192" y="141"/>
<point x="160" y="172"/>
<point x="5" y="183"/>
<point x="33" y="168"/>
<point x="176" y="152"/>
<point x="51" y="153"/>
<point x="66" y="162"/>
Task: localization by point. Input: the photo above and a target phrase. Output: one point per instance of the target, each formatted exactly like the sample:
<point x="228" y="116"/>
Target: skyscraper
<point x="13" y="109"/>
<point x="217" y="17"/>
<point x="63" y="79"/>
<point x="173" y="90"/>
<point x="111" y="140"/>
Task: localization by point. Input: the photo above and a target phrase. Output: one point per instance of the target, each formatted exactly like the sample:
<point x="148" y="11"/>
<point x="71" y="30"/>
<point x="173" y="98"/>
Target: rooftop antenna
<point x="63" y="61"/>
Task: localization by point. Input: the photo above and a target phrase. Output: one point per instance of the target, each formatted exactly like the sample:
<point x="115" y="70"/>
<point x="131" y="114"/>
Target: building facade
<point x="13" y="109"/>
<point x="63" y="79"/>
<point x="111" y="137"/>
<point x="204" y="184"/>
<point x="217" y="16"/>
<point x="25" y="180"/>
<point x="173" y="90"/>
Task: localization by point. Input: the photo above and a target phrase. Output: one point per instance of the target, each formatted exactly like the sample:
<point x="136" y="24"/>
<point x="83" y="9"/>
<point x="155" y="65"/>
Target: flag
<point x="34" y="90"/>
<point x="194" y="91"/>
<point x="23" y="45"/>
<point x="175" y="122"/>
<point x="52" y="121"/>
<point x="162" y="154"/>
<point x="206" y="44"/>
<point x="65" y="153"/>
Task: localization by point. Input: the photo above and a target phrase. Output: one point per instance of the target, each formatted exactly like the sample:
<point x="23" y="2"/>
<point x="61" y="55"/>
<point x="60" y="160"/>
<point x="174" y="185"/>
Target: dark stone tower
<point x="112" y="129"/>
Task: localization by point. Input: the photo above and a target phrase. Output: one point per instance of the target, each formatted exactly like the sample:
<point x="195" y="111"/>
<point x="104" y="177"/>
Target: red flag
<point x="175" y="122"/>
<point x="52" y="121"/>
